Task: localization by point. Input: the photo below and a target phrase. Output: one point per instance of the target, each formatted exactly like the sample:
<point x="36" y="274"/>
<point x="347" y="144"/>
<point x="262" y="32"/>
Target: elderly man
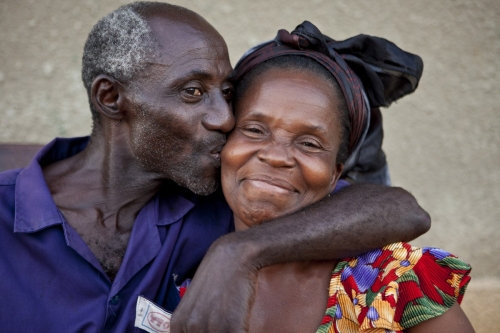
<point x="93" y="223"/>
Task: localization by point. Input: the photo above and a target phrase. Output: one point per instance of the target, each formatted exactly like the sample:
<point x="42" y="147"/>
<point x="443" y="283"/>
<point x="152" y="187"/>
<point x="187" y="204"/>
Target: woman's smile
<point x="268" y="184"/>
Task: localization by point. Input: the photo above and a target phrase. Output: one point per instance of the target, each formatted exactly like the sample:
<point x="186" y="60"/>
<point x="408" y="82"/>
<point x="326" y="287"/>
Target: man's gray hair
<point x="119" y="45"/>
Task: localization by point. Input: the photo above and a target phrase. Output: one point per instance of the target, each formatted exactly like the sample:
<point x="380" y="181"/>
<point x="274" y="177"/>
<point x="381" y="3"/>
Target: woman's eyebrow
<point x="254" y="114"/>
<point x="316" y="128"/>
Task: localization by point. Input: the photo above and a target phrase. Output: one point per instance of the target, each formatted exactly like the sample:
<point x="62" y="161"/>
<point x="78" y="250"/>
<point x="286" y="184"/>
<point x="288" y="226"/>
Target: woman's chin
<point x="258" y="213"/>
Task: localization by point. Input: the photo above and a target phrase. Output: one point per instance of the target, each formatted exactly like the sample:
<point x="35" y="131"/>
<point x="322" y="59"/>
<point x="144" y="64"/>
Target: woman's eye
<point x="309" y="144"/>
<point x="253" y="130"/>
<point x="193" y="91"/>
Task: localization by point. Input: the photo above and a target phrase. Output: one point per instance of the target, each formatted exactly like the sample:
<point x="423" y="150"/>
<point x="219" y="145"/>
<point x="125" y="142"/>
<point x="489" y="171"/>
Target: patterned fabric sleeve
<point x="393" y="288"/>
<point x="435" y="283"/>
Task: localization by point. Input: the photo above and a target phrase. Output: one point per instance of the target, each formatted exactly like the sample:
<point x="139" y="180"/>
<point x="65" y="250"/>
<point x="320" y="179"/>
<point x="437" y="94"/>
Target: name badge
<point x="150" y="317"/>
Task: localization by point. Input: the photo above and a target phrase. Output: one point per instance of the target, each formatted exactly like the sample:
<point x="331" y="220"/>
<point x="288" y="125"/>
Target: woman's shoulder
<point x="399" y="285"/>
<point x="401" y="257"/>
<point x="398" y="262"/>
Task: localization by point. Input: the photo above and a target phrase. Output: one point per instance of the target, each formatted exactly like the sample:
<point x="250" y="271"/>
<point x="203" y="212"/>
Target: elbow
<point x="420" y="220"/>
<point x="423" y="221"/>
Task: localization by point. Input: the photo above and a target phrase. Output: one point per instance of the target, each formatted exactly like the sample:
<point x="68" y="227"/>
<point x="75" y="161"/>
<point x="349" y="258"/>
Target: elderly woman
<point x="302" y="114"/>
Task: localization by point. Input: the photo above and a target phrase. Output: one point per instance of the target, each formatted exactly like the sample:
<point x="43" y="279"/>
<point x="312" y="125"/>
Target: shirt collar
<point x="173" y="202"/>
<point x="34" y="207"/>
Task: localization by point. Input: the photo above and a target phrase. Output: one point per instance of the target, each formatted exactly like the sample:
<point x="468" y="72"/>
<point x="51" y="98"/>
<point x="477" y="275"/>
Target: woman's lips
<point x="268" y="184"/>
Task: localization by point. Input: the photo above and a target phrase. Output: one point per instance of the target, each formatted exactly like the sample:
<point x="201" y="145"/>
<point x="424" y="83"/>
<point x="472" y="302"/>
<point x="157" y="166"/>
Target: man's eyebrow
<point x="157" y="63"/>
<point x="179" y="81"/>
<point x="193" y="73"/>
<point x="202" y="74"/>
<point x="197" y="73"/>
<point x="231" y="77"/>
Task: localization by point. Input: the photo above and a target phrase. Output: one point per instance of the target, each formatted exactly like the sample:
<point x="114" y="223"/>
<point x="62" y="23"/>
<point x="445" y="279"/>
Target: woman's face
<point x="281" y="155"/>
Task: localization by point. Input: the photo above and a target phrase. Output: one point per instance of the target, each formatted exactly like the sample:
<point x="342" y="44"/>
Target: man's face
<point x="180" y="107"/>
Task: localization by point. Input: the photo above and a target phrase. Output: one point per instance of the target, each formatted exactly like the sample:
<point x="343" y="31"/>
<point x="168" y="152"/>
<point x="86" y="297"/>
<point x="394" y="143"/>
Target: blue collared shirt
<point x="50" y="281"/>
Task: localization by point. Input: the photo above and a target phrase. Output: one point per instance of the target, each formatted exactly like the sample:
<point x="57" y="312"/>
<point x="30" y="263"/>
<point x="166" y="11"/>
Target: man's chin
<point x="203" y="186"/>
<point x="191" y="175"/>
<point x="203" y="189"/>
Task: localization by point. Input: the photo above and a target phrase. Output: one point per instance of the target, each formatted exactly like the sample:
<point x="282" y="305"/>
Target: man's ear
<point x="337" y="172"/>
<point x="106" y="95"/>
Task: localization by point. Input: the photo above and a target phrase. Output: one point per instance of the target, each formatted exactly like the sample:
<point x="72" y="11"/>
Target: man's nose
<point x="220" y="116"/>
<point x="277" y="154"/>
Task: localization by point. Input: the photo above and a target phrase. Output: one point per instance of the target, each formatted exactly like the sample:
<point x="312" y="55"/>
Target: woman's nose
<point x="277" y="154"/>
<point x="220" y="116"/>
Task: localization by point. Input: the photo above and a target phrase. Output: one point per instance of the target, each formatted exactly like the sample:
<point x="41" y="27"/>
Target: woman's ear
<point x="337" y="172"/>
<point x="106" y="94"/>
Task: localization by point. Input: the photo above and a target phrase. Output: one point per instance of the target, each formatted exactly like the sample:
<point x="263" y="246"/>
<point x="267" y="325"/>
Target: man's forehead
<point x="188" y="46"/>
<point x="176" y="36"/>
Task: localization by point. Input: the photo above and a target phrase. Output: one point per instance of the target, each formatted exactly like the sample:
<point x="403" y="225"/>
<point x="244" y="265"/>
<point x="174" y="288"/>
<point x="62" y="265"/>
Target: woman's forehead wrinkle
<point x="266" y="92"/>
<point x="305" y="86"/>
<point x="306" y="123"/>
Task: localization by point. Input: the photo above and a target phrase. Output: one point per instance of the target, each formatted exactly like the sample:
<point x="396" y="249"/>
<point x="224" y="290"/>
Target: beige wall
<point x="442" y="142"/>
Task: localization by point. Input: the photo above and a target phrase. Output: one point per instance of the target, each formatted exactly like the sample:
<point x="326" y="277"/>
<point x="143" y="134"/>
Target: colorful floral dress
<point x="393" y="288"/>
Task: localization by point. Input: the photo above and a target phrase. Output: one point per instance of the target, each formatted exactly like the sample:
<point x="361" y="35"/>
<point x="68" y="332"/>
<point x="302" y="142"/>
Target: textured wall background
<point x="442" y="142"/>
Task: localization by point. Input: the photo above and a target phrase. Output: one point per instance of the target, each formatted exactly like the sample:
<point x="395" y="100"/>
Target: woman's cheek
<point x="234" y="155"/>
<point x="237" y="150"/>
<point x="318" y="174"/>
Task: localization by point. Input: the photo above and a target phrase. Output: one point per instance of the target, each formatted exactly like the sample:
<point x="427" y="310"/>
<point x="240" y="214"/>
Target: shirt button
<point x="114" y="300"/>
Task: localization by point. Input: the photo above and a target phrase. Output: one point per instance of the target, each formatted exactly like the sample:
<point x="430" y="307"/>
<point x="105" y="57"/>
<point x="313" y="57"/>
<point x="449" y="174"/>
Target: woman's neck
<point x="239" y="225"/>
<point x="291" y="297"/>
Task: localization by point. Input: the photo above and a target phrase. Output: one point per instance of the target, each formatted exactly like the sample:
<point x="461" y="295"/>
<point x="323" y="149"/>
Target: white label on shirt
<point x="150" y="317"/>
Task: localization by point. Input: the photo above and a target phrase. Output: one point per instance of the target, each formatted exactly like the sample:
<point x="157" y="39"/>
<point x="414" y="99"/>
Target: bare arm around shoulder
<point x="359" y="218"/>
<point x="452" y="321"/>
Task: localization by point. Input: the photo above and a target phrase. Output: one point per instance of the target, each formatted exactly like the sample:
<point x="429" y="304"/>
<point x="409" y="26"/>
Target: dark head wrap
<point x="370" y="71"/>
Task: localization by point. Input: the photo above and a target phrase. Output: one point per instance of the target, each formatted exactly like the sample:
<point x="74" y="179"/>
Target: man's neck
<point x="103" y="182"/>
<point x="100" y="191"/>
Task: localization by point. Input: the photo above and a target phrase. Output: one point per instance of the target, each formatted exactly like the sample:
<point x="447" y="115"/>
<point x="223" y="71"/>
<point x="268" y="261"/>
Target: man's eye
<point x="228" y="93"/>
<point x="193" y="91"/>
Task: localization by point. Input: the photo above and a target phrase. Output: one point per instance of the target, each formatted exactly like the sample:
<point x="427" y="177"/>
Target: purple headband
<point x="370" y="71"/>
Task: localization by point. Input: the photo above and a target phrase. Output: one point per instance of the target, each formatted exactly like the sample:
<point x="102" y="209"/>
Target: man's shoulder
<point x="9" y="177"/>
<point x="7" y="197"/>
